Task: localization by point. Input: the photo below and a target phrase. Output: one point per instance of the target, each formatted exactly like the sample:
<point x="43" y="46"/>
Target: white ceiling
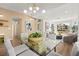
<point x="19" y="7"/>
<point x="53" y="10"/>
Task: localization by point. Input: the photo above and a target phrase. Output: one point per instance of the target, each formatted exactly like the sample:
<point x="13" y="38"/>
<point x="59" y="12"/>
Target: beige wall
<point x="8" y="14"/>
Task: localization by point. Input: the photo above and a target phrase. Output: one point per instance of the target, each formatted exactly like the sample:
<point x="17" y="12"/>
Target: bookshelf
<point x="62" y="28"/>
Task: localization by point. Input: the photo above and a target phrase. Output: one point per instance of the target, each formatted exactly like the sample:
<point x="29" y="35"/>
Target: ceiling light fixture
<point x="43" y="11"/>
<point x="37" y="8"/>
<point x="34" y="11"/>
<point x="30" y="8"/>
<point x="25" y="11"/>
<point x="34" y="8"/>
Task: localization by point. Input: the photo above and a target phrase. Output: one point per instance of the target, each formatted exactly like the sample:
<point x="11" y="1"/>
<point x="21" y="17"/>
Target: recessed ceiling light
<point x="43" y="11"/>
<point x="25" y="11"/>
<point x="66" y="12"/>
<point x="30" y="8"/>
<point x="34" y="11"/>
<point x="1" y="15"/>
<point x="37" y="8"/>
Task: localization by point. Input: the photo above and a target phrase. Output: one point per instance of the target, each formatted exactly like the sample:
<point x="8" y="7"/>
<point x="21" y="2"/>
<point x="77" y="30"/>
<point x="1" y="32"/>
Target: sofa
<point x="72" y="38"/>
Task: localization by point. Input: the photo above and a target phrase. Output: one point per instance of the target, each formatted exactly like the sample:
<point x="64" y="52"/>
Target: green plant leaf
<point x="35" y="35"/>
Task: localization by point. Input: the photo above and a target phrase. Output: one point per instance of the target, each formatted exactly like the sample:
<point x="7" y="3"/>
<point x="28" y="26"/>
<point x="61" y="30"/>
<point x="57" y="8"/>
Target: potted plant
<point x="35" y="37"/>
<point x="35" y="41"/>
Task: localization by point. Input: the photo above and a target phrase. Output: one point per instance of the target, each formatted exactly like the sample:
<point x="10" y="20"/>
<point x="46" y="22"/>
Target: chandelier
<point x="34" y="9"/>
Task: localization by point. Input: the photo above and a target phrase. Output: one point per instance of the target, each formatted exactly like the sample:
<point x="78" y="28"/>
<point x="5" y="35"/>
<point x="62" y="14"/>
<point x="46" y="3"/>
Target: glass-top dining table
<point x="45" y="47"/>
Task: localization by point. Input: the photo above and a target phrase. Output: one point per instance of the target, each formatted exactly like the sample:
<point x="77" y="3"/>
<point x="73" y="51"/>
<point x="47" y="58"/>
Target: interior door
<point x="16" y="27"/>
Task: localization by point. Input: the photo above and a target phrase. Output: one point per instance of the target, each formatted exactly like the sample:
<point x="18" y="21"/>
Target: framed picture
<point x="28" y="26"/>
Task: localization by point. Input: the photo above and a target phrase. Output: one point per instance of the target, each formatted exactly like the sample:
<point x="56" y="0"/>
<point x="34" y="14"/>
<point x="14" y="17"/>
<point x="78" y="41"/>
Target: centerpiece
<point x="35" y="37"/>
<point x="36" y="42"/>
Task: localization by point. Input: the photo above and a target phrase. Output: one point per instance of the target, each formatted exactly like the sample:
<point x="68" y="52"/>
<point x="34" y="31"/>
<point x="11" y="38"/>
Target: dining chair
<point x="21" y="50"/>
<point x="9" y="48"/>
